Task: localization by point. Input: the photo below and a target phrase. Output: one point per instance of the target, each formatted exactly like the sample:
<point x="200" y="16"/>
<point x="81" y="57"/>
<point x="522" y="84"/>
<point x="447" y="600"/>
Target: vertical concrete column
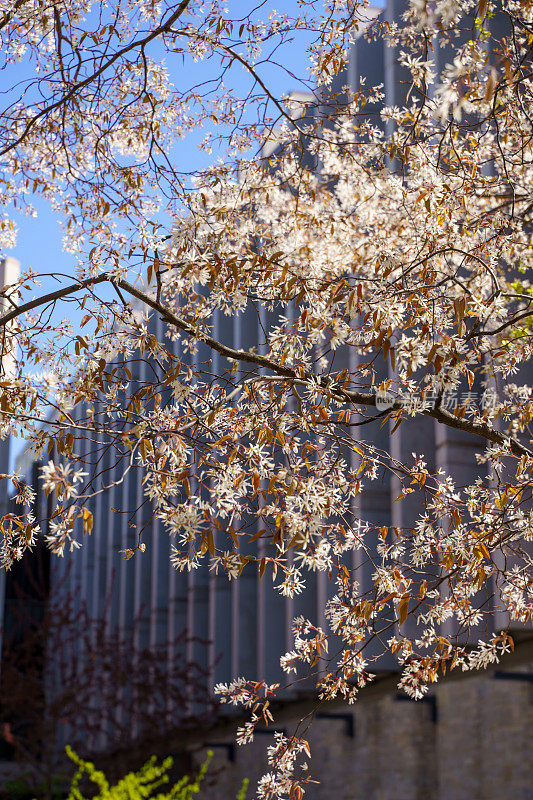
<point x="371" y="64"/>
<point x="372" y="507"/>
<point x="142" y="562"/>
<point x="157" y="541"/>
<point x="91" y="545"/>
<point x="245" y="597"/>
<point x="9" y="272"/>
<point x="126" y="503"/>
<point x="220" y="588"/>
<point x="177" y="581"/>
<point x="367" y="62"/>
<point x="198" y="579"/>
<point x="111" y="533"/>
<point x="271" y="606"/>
<point x="456" y="455"/>
<point x="397" y="79"/>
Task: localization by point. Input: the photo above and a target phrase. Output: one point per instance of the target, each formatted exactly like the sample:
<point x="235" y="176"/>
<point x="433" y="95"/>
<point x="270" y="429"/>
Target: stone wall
<point x="473" y="742"/>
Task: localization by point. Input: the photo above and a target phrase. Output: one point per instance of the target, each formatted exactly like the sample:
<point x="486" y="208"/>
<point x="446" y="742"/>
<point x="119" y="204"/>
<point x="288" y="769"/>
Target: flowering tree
<point x="384" y="252"/>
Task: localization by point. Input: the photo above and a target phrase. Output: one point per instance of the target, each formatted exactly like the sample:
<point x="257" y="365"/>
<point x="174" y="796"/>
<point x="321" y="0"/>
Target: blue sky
<point x="39" y="242"/>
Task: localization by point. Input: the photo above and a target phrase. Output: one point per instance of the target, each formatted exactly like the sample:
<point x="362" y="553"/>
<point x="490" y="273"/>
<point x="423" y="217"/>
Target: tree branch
<point x="481" y="430"/>
<point x="359" y="398"/>
<point x="131" y="46"/>
<point x="52" y="296"/>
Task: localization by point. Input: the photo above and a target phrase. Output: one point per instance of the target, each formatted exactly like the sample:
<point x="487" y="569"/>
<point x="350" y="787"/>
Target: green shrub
<point x="140" y="785"/>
